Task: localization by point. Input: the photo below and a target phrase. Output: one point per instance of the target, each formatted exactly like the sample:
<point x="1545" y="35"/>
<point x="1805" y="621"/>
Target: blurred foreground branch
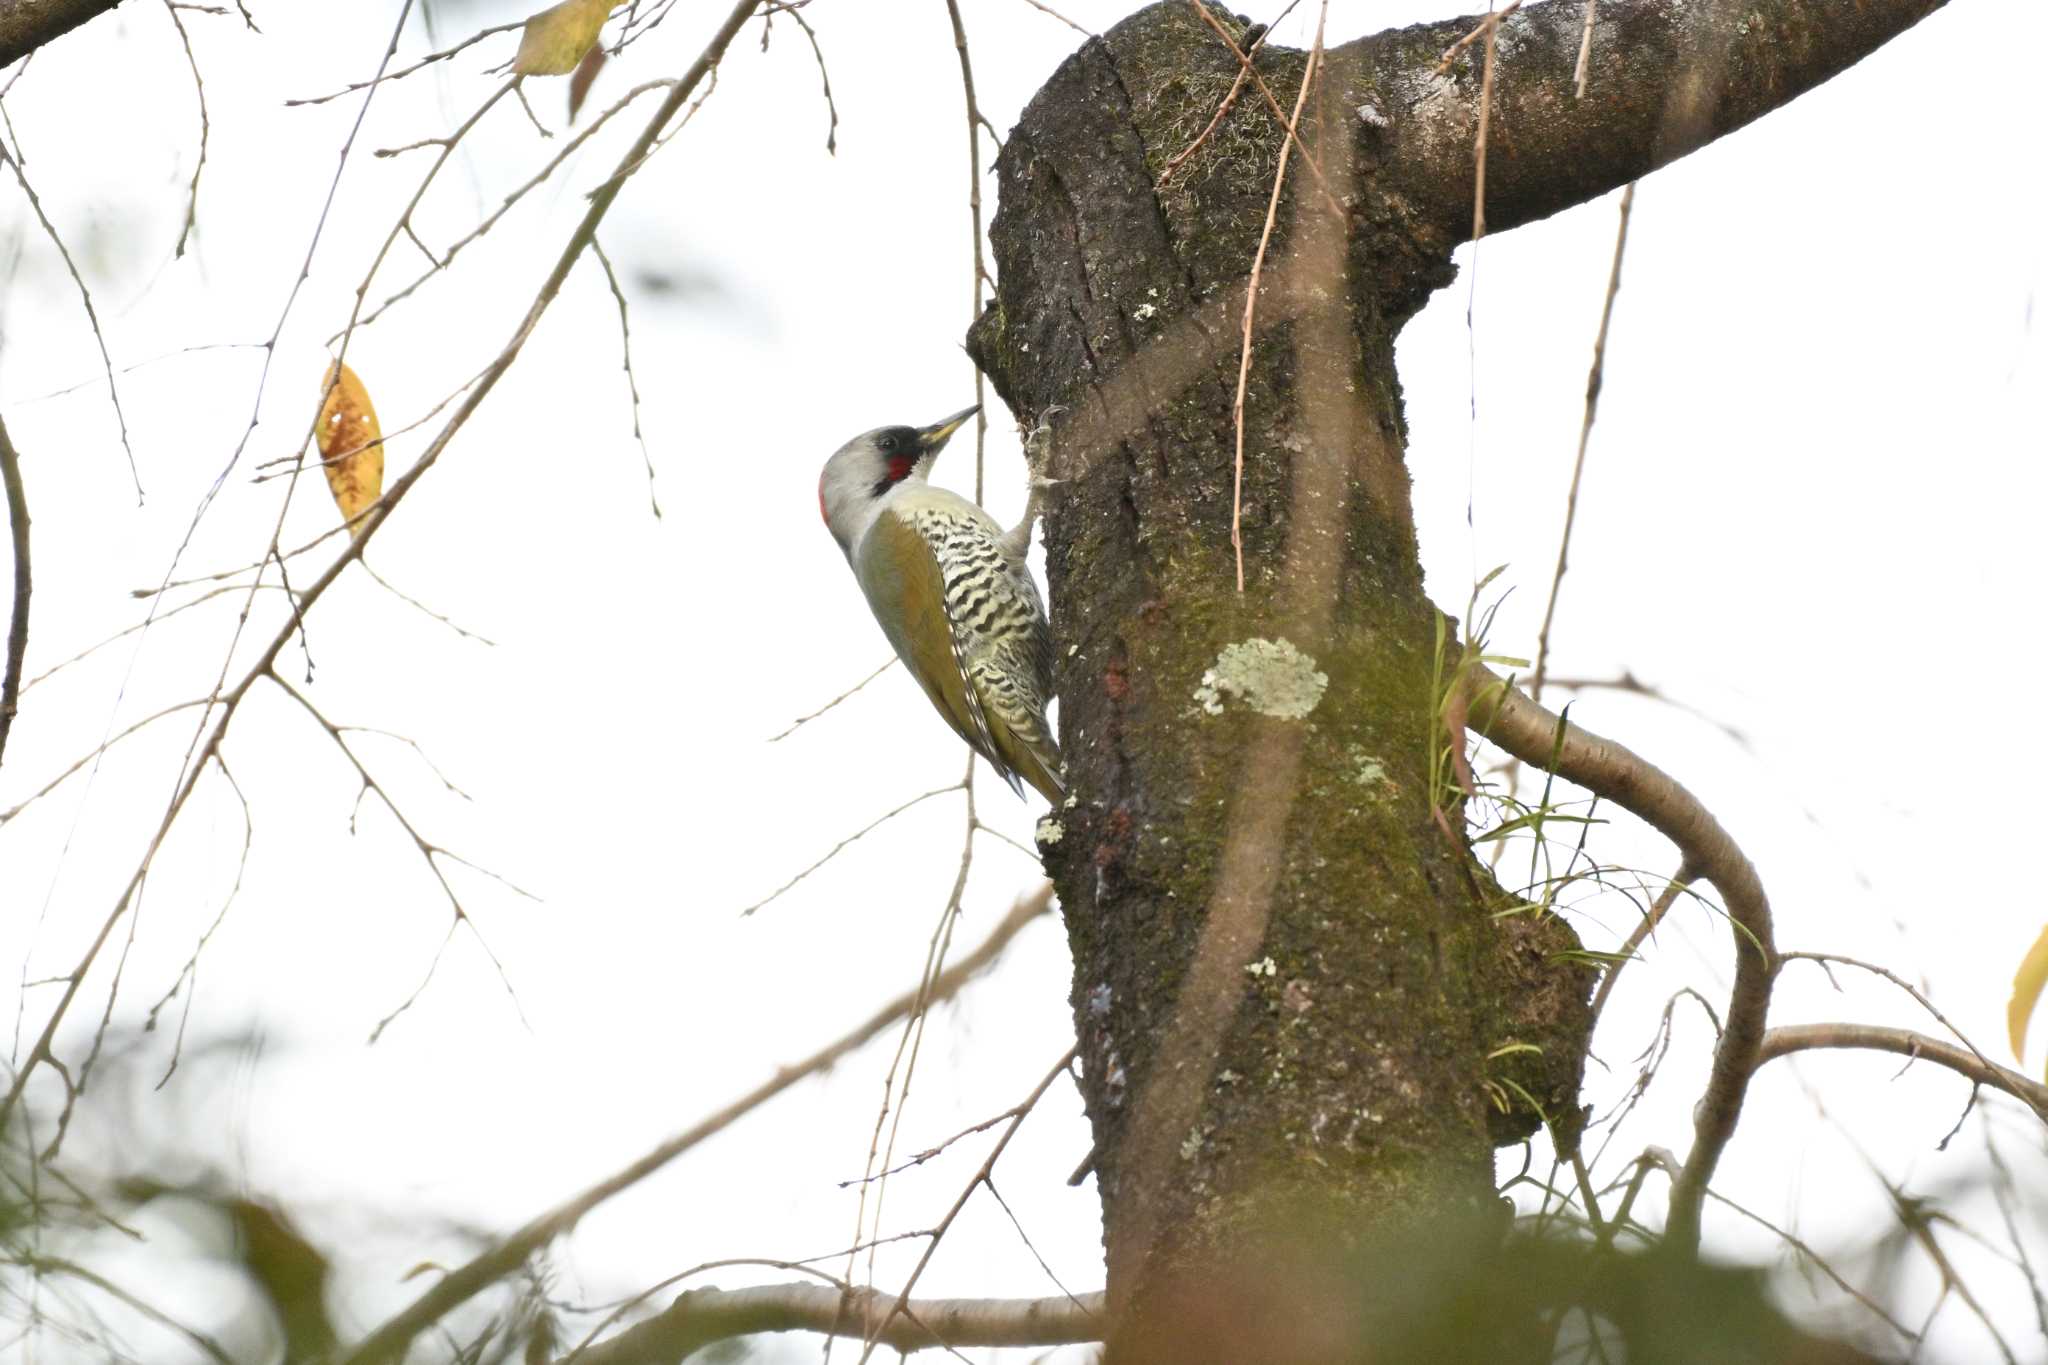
<point x="703" y="1316"/>
<point x="389" y="1341"/>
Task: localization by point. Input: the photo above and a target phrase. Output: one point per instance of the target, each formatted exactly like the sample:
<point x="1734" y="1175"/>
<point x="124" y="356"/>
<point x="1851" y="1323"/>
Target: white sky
<point x="1810" y="512"/>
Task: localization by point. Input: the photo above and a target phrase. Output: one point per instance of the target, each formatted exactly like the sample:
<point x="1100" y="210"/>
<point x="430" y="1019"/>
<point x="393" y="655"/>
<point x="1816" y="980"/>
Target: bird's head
<point x="863" y="471"/>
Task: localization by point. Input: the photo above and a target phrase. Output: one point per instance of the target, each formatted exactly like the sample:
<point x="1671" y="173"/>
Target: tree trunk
<point x="1306" y="1012"/>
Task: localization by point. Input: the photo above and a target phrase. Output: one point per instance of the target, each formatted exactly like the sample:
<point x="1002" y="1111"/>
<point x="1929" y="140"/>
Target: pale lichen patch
<point x="1050" y="831"/>
<point x="1272" y="677"/>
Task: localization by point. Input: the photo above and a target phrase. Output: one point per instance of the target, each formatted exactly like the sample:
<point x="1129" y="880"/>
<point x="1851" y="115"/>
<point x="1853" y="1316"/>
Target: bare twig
<point x="1646" y="926"/>
<point x="430" y="853"/>
<point x="424" y="609"/>
<point x="802" y="721"/>
<point x="403" y="72"/>
<point x="824" y="77"/>
<point x="1584" y="66"/>
<point x="459" y="1285"/>
<point x="1246" y="70"/>
<point x="1483" y="29"/>
<point x="1244" y="364"/>
<point x="520" y="192"/>
<point x="91" y="314"/>
<point x="1571" y="499"/>
<point x="17" y="621"/>
<point x="205" y="132"/>
<point x="981" y="1177"/>
<point x="840" y="847"/>
<point x="611" y="278"/>
<point x="980" y="268"/>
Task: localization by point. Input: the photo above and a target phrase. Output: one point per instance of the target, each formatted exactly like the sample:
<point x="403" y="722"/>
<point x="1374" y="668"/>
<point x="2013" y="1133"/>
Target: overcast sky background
<point x="1810" y="514"/>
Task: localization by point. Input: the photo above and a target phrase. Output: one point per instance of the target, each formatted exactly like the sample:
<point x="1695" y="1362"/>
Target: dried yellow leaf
<point x="554" y="41"/>
<point x="2026" y="992"/>
<point x="351" y="445"/>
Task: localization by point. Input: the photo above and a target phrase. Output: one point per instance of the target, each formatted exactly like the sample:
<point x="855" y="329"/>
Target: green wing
<point x="904" y="585"/>
<point x="901" y="578"/>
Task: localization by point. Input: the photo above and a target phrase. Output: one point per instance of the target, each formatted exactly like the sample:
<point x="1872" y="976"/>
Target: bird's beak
<point x="935" y="436"/>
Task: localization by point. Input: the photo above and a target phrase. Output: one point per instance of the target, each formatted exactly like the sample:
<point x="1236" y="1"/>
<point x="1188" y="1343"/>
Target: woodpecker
<point x="950" y="589"/>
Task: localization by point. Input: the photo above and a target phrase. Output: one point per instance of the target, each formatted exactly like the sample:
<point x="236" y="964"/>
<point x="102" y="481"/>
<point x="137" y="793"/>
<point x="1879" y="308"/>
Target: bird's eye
<point x="889" y="444"/>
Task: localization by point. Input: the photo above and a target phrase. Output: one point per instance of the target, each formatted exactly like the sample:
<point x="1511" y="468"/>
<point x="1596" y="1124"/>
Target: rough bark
<point x="1292" y="983"/>
<point x="26" y="25"/>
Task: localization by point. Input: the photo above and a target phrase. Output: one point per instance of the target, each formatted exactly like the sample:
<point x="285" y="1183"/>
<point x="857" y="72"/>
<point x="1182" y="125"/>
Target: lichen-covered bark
<point x="1295" y="989"/>
<point x="1362" y="975"/>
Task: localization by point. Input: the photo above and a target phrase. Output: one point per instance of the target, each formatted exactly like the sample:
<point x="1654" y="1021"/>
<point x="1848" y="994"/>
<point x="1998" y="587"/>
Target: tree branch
<point x="26" y="25"/>
<point x="1782" y="1042"/>
<point x="17" y="625"/>
<point x="389" y="1341"/>
<point x="1506" y="716"/>
<point x="1671" y="78"/>
<point x="703" y="1316"/>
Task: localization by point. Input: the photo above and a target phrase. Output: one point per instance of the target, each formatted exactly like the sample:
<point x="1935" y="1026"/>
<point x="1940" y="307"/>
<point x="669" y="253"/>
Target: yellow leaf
<point x="351" y="445"/>
<point x="2026" y="992"/>
<point x="556" y="39"/>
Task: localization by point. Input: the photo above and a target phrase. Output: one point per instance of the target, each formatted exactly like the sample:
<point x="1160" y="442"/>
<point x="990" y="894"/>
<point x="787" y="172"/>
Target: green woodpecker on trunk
<point x="950" y="589"/>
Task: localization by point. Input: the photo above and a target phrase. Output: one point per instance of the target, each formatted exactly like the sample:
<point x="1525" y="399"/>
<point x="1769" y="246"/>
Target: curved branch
<point x="1530" y="732"/>
<point x="703" y="1316"/>
<point x="1782" y="1042"/>
<point x="389" y="1341"/>
<point x="17" y="624"/>
<point x="1670" y="78"/>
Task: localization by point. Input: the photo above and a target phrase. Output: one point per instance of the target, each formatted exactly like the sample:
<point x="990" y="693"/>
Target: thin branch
<point x="979" y="268"/>
<point x="424" y="609"/>
<point x="1506" y="715"/>
<point x="1646" y="926"/>
<point x="981" y="1177"/>
<point x="1244" y="364"/>
<point x="1583" y="68"/>
<point x="632" y="384"/>
<point x="91" y="314"/>
<point x="17" y="621"/>
<point x="205" y="131"/>
<point x="1047" y="9"/>
<point x="869" y="828"/>
<point x="104" y="745"/>
<point x="1571" y="499"/>
<point x="802" y="721"/>
<point x="403" y="72"/>
<point x="1790" y="1038"/>
<point x="825" y="77"/>
<point x="1290" y="126"/>
<point x="463" y="1283"/>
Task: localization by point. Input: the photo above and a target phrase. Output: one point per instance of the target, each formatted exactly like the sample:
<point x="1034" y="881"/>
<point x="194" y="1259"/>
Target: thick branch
<point x="704" y="1316"/>
<point x="1537" y="736"/>
<point x="17" y="623"/>
<point x="389" y="1341"/>
<point x="26" y="25"/>
<point x="1780" y="1042"/>
<point x="1666" y="79"/>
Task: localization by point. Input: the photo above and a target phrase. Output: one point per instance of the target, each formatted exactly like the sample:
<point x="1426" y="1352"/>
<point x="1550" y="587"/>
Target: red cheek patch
<point x="900" y="467"/>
